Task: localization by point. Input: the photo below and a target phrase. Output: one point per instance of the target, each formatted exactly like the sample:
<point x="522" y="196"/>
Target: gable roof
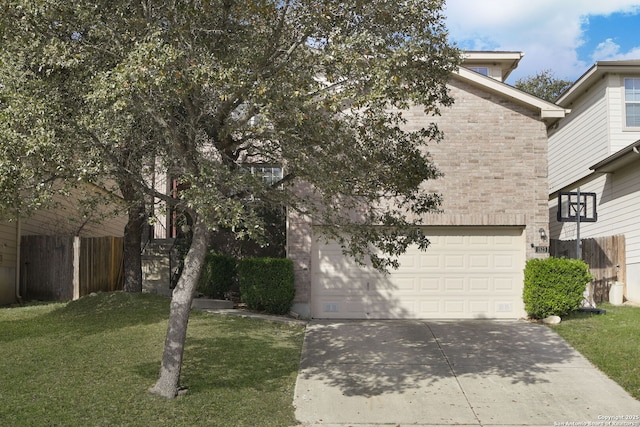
<point x="549" y="112"/>
<point x="506" y="60"/>
<point x="592" y="75"/>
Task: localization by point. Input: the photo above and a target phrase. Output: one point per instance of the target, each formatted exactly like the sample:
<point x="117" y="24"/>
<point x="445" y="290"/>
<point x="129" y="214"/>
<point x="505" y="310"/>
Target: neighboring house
<point x="68" y="217"/>
<point x="495" y="213"/>
<point x="596" y="149"/>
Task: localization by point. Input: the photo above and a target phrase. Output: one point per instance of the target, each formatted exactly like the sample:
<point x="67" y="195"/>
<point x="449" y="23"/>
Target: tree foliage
<point x="204" y="87"/>
<point x="30" y="161"/>
<point x="543" y="85"/>
<point x="199" y="89"/>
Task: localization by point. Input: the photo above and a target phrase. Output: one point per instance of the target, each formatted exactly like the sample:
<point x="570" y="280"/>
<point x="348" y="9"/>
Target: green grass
<point x="610" y="341"/>
<point x="90" y="362"/>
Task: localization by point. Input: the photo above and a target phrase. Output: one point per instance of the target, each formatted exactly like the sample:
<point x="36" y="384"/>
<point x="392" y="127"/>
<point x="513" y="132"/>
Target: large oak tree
<point x="201" y="89"/>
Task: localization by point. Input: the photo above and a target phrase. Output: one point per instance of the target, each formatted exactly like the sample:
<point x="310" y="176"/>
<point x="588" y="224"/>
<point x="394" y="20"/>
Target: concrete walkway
<point x="474" y="373"/>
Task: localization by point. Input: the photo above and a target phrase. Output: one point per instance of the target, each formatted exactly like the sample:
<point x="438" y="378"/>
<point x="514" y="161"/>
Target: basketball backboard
<point x="572" y="204"/>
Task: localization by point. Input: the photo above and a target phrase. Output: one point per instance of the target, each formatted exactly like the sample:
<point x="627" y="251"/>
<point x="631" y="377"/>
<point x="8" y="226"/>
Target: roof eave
<point x="548" y="111"/>
<point x="618" y="160"/>
<point x="508" y="60"/>
<point x="555" y="114"/>
<point x="598" y="70"/>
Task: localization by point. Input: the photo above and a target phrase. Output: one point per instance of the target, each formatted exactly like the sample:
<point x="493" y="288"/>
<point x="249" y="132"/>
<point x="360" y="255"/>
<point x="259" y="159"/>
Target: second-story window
<point x="632" y="102"/>
<point x="482" y="70"/>
<point x="270" y="174"/>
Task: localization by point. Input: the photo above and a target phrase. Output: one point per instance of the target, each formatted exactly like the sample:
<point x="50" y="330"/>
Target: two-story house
<point x="595" y="149"/>
<point x="495" y="213"/>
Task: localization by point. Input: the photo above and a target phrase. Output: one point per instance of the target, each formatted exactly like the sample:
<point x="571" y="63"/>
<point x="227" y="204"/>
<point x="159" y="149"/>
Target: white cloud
<point x="606" y="49"/>
<point x="609" y="50"/>
<point x="547" y="31"/>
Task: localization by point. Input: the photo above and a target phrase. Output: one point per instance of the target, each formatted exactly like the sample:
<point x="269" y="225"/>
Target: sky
<point x="564" y="36"/>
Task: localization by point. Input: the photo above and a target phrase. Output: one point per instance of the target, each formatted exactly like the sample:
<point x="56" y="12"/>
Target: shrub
<point x="219" y="275"/>
<point x="266" y="284"/>
<point x="554" y="286"/>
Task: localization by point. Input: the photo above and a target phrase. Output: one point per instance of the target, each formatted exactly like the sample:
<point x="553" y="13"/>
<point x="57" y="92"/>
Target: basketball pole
<point x="578" y="213"/>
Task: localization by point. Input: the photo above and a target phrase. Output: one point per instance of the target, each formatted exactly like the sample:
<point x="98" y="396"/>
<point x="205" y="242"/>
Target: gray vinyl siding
<point x="580" y="140"/>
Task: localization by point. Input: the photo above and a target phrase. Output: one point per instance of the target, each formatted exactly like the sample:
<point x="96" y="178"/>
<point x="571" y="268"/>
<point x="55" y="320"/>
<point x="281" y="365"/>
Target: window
<point x="269" y="174"/>
<point x="482" y="70"/>
<point x="632" y="102"/>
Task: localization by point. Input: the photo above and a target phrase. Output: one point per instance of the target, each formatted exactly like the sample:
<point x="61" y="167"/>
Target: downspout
<point x="18" y="245"/>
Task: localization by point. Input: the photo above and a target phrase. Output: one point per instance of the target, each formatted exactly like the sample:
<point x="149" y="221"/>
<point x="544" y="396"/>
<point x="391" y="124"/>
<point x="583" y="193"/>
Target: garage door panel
<point x="430" y="308"/>
<point x="505" y="284"/>
<point x="479" y="307"/>
<point x="429" y="261"/>
<point x="454" y="308"/>
<point x="388" y="309"/>
<point x="404" y="284"/>
<point x="451" y="241"/>
<point x="465" y="273"/>
<point x="479" y="284"/>
<point x="478" y="241"/>
<point x="430" y="284"/>
<point x="401" y="286"/>
<point x="409" y="261"/>
<point x="505" y="261"/>
<point x="480" y="261"/>
<point x="505" y="241"/>
<point x="454" y="261"/>
<point x="454" y="284"/>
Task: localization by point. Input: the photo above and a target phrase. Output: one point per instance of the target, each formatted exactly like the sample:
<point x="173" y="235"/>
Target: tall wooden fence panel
<point x="46" y="267"/>
<point x="606" y="257"/>
<point x="100" y="268"/>
<point x="61" y="268"/>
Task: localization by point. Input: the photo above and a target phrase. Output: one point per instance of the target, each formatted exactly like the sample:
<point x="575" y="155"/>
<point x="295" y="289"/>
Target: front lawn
<point x="91" y="362"/>
<point x="610" y="341"/>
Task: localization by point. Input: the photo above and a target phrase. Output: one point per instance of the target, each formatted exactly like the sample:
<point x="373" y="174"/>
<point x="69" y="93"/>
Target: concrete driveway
<point x="432" y="373"/>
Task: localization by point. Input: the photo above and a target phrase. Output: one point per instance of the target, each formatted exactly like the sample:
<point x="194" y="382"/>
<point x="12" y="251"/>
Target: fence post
<point x="76" y="267"/>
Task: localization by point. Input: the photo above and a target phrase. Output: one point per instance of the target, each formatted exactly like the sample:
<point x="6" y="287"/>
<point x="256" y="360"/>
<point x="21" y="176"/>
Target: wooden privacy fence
<point x="606" y="257"/>
<point x="61" y="268"/>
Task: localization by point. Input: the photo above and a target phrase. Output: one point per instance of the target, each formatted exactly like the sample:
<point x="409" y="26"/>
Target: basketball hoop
<point x="577" y="207"/>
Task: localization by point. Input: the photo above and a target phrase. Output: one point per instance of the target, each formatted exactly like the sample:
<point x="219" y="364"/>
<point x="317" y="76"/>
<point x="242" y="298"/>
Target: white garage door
<point x="466" y="273"/>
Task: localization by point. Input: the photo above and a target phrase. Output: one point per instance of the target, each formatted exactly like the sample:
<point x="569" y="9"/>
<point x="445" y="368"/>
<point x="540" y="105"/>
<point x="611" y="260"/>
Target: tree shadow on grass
<point x="233" y="353"/>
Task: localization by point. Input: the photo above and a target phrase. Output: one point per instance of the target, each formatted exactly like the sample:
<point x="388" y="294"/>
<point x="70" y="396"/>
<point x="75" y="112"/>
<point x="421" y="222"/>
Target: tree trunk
<point x="168" y="384"/>
<point x="132" y="257"/>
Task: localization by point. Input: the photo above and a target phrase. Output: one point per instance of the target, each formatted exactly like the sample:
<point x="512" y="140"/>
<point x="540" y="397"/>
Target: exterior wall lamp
<point x="543" y="234"/>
